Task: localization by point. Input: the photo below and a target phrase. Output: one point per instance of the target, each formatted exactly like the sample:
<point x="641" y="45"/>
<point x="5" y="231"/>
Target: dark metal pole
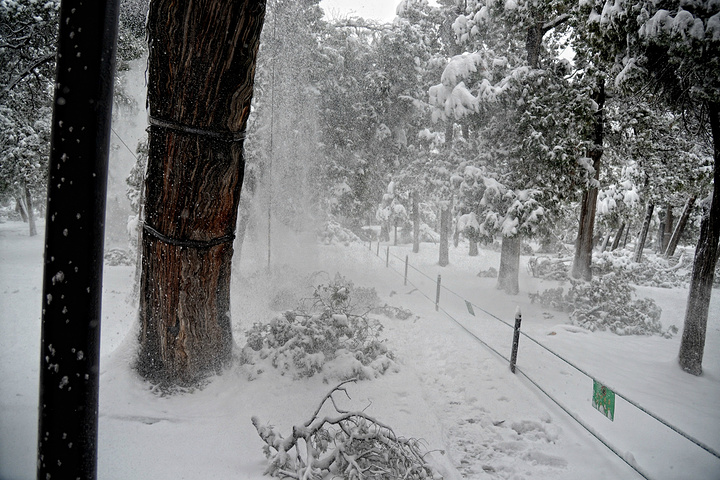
<point x="74" y="237"/>
<point x="406" y="269"/>
<point x="516" y="340"/>
<point x="437" y="294"/>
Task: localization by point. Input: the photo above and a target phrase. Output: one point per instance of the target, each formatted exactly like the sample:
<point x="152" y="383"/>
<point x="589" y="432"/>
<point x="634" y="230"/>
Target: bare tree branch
<point x="557" y="21"/>
<point x="27" y="71"/>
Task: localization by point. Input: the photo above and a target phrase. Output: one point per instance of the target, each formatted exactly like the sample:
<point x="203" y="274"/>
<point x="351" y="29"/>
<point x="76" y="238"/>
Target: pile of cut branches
<point x="343" y="445"/>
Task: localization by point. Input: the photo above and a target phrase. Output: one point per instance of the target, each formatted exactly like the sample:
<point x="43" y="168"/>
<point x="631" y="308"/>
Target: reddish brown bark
<point x="200" y="84"/>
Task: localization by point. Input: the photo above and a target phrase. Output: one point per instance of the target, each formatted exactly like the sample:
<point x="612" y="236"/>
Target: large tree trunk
<point x="692" y="345"/>
<point x="201" y="70"/>
<point x="582" y="262"/>
<point x="680" y="227"/>
<point x="643" y="233"/>
<point x="510" y="265"/>
<point x="416" y="222"/>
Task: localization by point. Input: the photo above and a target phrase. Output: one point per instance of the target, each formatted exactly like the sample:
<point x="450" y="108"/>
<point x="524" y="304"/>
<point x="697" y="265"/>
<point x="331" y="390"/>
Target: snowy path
<point x="450" y="390"/>
<point x="653" y="448"/>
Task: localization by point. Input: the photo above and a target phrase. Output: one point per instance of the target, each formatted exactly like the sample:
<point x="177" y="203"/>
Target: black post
<point x="378" y="249"/>
<point x="516" y="340"/>
<point x="387" y="256"/>
<point x="74" y="238"/>
<point x="437" y="294"/>
<point x="406" y="268"/>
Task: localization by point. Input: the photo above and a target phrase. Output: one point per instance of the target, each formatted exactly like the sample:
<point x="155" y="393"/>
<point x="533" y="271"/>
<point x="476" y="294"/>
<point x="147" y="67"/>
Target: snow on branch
<point x="344" y="444"/>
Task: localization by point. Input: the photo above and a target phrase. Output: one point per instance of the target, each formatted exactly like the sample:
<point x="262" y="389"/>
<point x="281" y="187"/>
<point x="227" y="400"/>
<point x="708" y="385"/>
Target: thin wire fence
<point x="635" y="404"/>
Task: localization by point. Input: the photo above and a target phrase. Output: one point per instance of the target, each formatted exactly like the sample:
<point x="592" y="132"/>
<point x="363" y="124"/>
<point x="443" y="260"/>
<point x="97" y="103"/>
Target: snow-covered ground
<point x="478" y="419"/>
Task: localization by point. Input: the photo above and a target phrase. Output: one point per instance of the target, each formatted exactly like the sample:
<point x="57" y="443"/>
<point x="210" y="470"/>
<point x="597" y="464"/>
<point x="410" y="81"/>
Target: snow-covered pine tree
<point x="524" y="115"/>
<point x="675" y="47"/>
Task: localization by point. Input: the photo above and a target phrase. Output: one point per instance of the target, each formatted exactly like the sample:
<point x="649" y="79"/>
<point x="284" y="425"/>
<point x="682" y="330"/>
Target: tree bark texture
<point x="659" y="237"/>
<point x="416" y="222"/>
<point x="680" y="227"/>
<point x="692" y="345"/>
<point x="667" y="232"/>
<point x="473" y="248"/>
<point x="444" y="259"/>
<point x="618" y="236"/>
<point x="30" y="211"/>
<point x="510" y="265"/>
<point x="643" y="233"/>
<point x="604" y="244"/>
<point x="582" y="262"/>
<point x="201" y="71"/>
<point x="20" y="206"/>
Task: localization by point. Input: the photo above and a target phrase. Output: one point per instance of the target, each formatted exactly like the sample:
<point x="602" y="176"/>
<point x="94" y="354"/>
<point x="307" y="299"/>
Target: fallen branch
<point x="351" y="445"/>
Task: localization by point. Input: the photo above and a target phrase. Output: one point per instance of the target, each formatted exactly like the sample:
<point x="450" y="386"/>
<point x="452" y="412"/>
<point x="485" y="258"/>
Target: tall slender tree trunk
<point x="30" y="212"/>
<point x="416" y="222"/>
<point x="604" y="244"/>
<point x="627" y="232"/>
<point x="510" y="265"/>
<point x="582" y="262"/>
<point x="618" y="236"/>
<point x="20" y="206"/>
<point x="473" y="248"/>
<point x="449" y="131"/>
<point x="692" y="345"/>
<point x="201" y="71"/>
<point x="643" y="233"/>
<point x="680" y="227"/>
<point x="667" y="232"/>
<point x="444" y="259"/>
<point x="659" y="237"/>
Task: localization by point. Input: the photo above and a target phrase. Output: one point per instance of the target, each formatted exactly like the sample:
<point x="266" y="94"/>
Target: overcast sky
<point x="381" y="10"/>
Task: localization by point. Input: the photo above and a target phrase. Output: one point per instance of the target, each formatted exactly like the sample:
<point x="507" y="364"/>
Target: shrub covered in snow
<point x="117" y="256"/>
<point x="606" y="303"/>
<point x="342" y="445"/>
<point x="653" y="271"/>
<point x="329" y="333"/>
<point x="332" y="232"/>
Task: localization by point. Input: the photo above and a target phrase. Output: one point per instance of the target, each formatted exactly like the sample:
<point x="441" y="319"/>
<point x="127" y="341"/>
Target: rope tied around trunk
<point x="223" y="136"/>
<point x="199" y="244"/>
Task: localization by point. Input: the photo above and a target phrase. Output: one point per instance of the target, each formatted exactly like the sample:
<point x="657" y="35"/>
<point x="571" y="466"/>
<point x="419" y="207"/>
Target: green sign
<point x="469" y="307"/>
<point x="603" y="400"/>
